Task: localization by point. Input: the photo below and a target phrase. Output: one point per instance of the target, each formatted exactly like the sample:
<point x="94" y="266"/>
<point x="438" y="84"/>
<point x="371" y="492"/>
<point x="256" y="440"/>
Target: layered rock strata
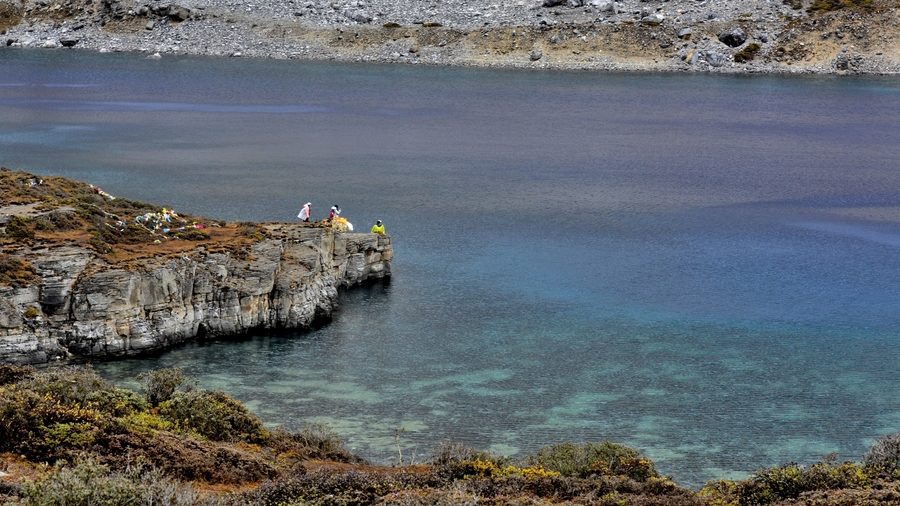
<point x="82" y="306"/>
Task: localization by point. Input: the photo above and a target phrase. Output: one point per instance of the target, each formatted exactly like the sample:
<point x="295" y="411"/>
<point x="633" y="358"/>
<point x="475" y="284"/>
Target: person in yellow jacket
<point x="378" y="228"/>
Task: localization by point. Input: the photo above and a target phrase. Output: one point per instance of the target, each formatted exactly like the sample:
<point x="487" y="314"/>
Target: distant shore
<point x="742" y="36"/>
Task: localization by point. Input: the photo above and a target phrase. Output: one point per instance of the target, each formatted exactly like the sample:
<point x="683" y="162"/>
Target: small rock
<point x="574" y="3"/>
<point x="442" y="43"/>
<point x="685" y="33"/>
<point x="536" y="54"/>
<point x="714" y="59"/>
<point x="360" y="17"/>
<point x="154" y="56"/>
<point x="179" y="13"/>
<point x="552" y="3"/>
<point x="733" y="38"/>
<point x="554" y="39"/>
<point x="49" y="44"/>
<point x="414" y="49"/>
<point x="763" y="37"/>
<point x="149" y="25"/>
<point x="652" y="19"/>
<point x="690" y="57"/>
<point x="68" y="42"/>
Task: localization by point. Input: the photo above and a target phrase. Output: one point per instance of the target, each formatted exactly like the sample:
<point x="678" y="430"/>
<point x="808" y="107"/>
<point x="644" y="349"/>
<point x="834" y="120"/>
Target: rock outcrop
<point x="83" y="306"/>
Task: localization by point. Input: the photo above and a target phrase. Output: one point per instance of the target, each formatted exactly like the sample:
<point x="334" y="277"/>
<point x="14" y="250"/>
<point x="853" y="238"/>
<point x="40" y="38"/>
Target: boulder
<point x="733" y="38"/>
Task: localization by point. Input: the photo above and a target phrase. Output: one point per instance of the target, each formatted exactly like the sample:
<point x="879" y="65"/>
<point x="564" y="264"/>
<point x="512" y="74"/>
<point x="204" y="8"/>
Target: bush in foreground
<point x="88" y="482"/>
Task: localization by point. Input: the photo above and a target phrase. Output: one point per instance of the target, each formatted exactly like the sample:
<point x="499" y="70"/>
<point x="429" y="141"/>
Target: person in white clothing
<point x="304" y="213"/>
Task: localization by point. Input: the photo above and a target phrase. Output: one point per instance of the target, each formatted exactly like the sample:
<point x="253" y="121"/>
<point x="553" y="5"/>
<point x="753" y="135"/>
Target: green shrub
<point x="582" y="460"/>
<point x="42" y="224"/>
<point x="748" y="53"/>
<point x="116" y="401"/>
<point x="68" y="435"/>
<point x="91" y="483"/>
<point x="16" y="272"/>
<point x="457" y="460"/>
<point x="160" y="384"/>
<point x="99" y="245"/>
<point x="252" y="231"/>
<point x="787" y="482"/>
<point x="15" y="373"/>
<point x="833" y="5"/>
<point x="194" y="235"/>
<point x="64" y="220"/>
<point x="19" y="227"/>
<point x="213" y="415"/>
<point x="70" y="386"/>
<point x="884" y="454"/>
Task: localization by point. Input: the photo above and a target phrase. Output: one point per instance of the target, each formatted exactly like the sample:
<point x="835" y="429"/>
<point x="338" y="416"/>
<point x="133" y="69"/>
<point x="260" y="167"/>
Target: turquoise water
<point x="702" y="267"/>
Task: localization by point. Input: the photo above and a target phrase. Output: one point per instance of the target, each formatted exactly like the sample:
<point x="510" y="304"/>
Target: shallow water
<point x="702" y="267"/>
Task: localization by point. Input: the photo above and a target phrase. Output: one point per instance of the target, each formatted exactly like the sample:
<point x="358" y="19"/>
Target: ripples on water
<point x="702" y="267"/>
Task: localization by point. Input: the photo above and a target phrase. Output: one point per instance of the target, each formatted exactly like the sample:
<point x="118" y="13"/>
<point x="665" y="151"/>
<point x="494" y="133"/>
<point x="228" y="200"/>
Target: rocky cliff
<point x="78" y="304"/>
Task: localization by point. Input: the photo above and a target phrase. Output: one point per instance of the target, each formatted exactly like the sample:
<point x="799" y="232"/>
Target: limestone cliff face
<point x="88" y="307"/>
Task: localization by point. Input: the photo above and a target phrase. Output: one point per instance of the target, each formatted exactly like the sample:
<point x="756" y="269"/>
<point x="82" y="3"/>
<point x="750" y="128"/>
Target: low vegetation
<point x="748" y="53"/>
<point x="67" y="436"/>
<point x="833" y="5"/>
<point x="53" y="210"/>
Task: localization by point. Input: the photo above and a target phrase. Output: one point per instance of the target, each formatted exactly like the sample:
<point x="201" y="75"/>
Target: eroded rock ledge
<point x="83" y="306"/>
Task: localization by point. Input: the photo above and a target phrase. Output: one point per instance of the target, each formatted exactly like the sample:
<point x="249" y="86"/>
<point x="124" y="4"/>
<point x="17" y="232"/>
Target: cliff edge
<point x="103" y="286"/>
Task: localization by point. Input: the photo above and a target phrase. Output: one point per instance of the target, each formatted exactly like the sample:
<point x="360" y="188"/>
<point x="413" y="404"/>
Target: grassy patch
<point x="16" y="272"/>
<point x="834" y="5"/>
<point x="748" y="53"/>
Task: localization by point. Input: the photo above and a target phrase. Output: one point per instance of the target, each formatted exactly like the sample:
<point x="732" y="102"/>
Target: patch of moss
<point x="748" y="53"/>
<point x="19" y="227"/>
<point x="16" y="272"/>
<point x="834" y="5"/>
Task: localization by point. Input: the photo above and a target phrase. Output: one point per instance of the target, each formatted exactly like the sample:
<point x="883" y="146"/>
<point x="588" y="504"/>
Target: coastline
<point x="741" y="37"/>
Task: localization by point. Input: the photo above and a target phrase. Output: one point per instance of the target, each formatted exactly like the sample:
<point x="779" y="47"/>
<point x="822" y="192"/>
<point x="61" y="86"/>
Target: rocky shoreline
<point x="737" y="36"/>
<point x="83" y="274"/>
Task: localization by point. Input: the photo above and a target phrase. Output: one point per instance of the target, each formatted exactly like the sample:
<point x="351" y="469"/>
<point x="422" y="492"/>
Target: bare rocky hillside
<point x="797" y="36"/>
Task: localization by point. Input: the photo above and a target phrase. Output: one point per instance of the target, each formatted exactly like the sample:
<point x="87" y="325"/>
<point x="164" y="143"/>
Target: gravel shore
<point x="735" y="36"/>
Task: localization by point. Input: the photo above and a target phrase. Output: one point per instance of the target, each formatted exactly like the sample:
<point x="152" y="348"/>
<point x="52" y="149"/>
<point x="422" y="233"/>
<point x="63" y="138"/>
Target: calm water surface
<point x="702" y="267"/>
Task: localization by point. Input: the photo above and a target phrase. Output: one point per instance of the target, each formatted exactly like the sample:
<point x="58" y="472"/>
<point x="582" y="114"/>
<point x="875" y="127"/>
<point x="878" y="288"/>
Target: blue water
<point x="702" y="267"/>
